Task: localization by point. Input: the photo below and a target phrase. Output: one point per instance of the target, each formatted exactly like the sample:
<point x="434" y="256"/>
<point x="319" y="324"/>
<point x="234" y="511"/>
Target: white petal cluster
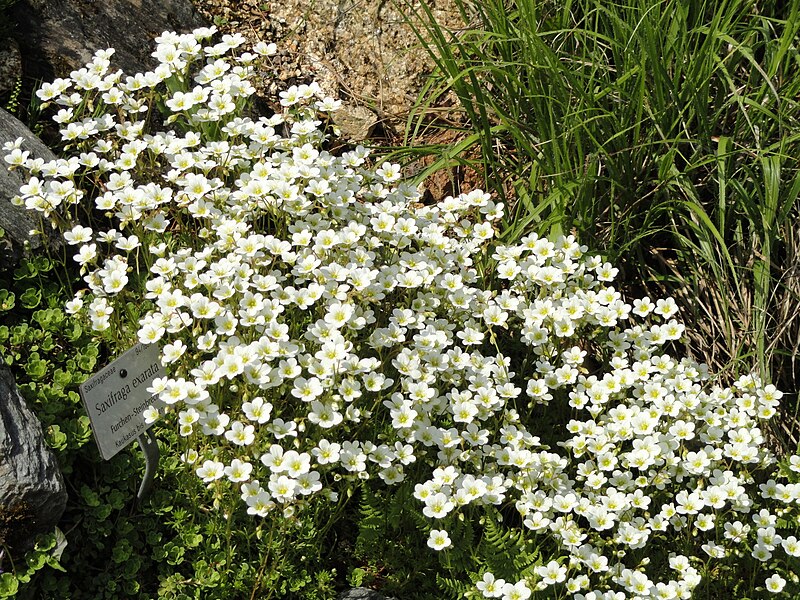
<point x="321" y="325"/>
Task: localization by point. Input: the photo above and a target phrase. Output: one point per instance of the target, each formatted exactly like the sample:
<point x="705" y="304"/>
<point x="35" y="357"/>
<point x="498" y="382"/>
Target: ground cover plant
<point x="328" y="335"/>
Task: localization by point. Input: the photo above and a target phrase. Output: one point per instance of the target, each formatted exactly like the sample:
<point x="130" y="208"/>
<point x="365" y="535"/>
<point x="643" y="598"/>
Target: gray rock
<point x="59" y="36"/>
<point x="10" y="63"/>
<point x="16" y="220"/>
<point x="32" y="492"/>
<point x="361" y="593"/>
<point x="355" y="123"/>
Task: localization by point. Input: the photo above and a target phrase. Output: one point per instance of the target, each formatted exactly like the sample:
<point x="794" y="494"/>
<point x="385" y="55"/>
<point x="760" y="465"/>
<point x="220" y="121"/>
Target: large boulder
<point x="59" y="36"/>
<point x="32" y="492"/>
<point x="18" y="222"/>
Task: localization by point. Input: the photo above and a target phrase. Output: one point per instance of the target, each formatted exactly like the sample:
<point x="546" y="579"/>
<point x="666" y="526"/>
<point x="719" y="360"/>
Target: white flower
<point x="791" y="546"/>
<point x="74" y="306"/>
<point x="666" y="307"/>
<point x="761" y="552"/>
<point x="78" y="235"/>
<point x="238" y="471"/>
<point x="295" y="463"/>
<point x="214" y="423"/>
<point x="257" y="410"/>
<point x="389" y="172"/>
<point x="265" y="49"/>
<point x="240" y="434"/>
<point x="282" y="488"/>
<point x="150" y="333"/>
<point x="260" y="503"/>
<point x="714" y="550"/>
<point x="307" y="389"/>
<point x="775" y="583"/>
<point x="328" y="105"/>
<point x="211" y="470"/>
<point x="326" y="452"/>
<point x="552" y="572"/>
<point x="172" y="352"/>
<point x="516" y="591"/>
<point x="150" y="414"/>
<point x="188" y="417"/>
<point x="490" y="587"/>
<point x="190" y="456"/>
<point x="86" y="254"/>
<point x="606" y="272"/>
<point x="439" y="539"/>
<point x="437" y="506"/>
<point x="128" y="243"/>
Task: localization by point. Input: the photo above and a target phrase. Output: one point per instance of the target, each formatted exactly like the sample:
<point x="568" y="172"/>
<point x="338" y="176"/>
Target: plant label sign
<point x="116" y="397"/>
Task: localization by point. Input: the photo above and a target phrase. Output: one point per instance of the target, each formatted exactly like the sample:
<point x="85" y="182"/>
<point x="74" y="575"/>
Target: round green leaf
<point x="8" y="585"/>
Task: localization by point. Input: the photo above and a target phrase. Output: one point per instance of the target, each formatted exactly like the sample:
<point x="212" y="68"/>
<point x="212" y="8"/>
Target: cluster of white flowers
<point x="320" y="324"/>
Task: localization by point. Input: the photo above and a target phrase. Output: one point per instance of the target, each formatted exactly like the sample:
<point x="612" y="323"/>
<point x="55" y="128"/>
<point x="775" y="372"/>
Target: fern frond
<point x="372" y="522"/>
<point x="525" y="562"/>
<point x="506" y="551"/>
<point x="453" y="587"/>
<point x="501" y="539"/>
